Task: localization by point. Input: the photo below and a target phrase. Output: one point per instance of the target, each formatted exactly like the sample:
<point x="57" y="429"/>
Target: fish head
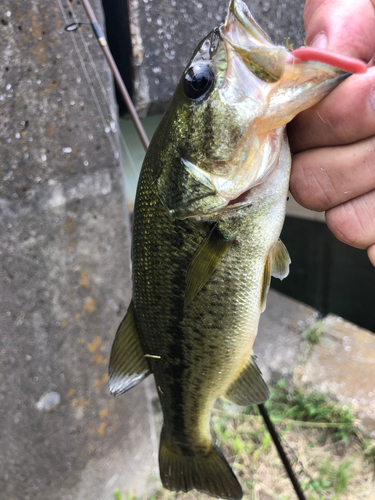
<point x="223" y="129"/>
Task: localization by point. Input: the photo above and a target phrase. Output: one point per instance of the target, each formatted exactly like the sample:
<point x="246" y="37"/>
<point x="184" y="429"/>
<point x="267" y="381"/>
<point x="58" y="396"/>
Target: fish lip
<point x="239" y="13"/>
<point x="242" y="34"/>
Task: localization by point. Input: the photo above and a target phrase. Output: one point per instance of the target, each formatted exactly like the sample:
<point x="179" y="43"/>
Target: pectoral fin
<point x="265" y="283"/>
<point x="249" y="388"/>
<point x="127" y="365"/>
<point x="205" y="260"/>
<point x="280" y="261"/>
<point x="277" y="265"/>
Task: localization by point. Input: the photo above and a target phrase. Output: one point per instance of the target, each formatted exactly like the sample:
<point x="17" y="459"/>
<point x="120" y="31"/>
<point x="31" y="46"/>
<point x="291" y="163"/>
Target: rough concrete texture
<point x="342" y="365"/>
<point x="65" y="279"/>
<point x="164" y="34"/>
<point x="277" y="344"/>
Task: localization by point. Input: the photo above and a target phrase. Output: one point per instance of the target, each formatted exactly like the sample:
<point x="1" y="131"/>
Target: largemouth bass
<point x="208" y="213"/>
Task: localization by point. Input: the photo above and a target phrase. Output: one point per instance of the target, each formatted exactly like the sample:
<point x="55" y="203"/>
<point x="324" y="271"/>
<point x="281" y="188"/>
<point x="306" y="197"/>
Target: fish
<point x="208" y="213"/>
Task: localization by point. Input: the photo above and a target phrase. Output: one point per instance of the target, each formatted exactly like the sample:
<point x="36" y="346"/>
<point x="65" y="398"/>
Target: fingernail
<point x="320" y="41"/>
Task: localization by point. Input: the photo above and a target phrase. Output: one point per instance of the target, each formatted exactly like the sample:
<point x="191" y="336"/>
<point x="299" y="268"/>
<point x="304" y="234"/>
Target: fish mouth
<point x="244" y="36"/>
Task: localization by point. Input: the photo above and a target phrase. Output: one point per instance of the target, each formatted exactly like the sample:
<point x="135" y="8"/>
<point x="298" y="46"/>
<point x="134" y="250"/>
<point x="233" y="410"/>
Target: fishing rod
<point x="276" y="439"/>
<point x="116" y="73"/>
<point x="145" y="142"/>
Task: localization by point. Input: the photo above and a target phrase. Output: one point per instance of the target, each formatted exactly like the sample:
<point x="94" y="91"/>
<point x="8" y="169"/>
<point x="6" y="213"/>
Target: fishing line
<point x="100" y="36"/>
<point x="104" y="122"/>
<point x="74" y="27"/>
<point x="102" y="41"/>
<point x="124" y="92"/>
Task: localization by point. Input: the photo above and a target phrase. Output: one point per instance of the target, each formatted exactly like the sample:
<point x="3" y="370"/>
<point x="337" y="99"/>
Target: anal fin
<point x="248" y="388"/>
<point x="127" y="365"/>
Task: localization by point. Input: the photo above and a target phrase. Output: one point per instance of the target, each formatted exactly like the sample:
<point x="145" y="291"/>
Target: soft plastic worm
<point x="345" y="63"/>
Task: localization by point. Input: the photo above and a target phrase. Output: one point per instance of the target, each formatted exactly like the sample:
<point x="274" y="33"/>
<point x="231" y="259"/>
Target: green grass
<point x="314" y="333"/>
<point x="307" y="406"/>
<point x="320" y="437"/>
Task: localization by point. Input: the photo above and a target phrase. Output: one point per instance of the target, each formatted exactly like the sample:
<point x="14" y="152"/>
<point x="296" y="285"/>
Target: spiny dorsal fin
<point x="280" y="261"/>
<point x="127" y="365"/>
<point x="205" y="260"/>
<point x="248" y="388"/>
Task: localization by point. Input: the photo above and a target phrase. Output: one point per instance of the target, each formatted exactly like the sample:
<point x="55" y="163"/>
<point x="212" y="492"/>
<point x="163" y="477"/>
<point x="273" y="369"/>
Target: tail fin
<point x="207" y="472"/>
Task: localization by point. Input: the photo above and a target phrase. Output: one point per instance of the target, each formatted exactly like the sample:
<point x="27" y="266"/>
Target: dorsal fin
<point x="128" y="365"/>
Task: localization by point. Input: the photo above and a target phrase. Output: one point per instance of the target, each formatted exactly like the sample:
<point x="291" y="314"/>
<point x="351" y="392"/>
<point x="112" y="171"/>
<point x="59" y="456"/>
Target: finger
<point x="325" y="177"/>
<point x="346" y="115"/>
<point x="353" y="222"/>
<point x="342" y="26"/>
<point x="371" y="254"/>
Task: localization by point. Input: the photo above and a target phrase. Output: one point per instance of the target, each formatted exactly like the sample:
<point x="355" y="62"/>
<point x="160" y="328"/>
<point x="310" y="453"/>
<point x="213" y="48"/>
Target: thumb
<point x="344" y="26"/>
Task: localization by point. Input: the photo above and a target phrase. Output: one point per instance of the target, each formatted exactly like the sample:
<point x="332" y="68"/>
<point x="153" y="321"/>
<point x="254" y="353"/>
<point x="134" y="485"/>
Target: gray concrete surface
<point x="164" y="34"/>
<point x="278" y="342"/>
<point x="342" y="365"/>
<point x="65" y="277"/>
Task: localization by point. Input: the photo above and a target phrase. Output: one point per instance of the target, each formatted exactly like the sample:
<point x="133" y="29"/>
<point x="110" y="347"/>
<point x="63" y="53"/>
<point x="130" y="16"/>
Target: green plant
<point x="315" y="432"/>
<point x="308" y="406"/>
<point x="288" y="44"/>
<point x="369" y="449"/>
<point x="314" y="333"/>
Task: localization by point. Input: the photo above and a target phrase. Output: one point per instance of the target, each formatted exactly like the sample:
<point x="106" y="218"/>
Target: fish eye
<point x="198" y="81"/>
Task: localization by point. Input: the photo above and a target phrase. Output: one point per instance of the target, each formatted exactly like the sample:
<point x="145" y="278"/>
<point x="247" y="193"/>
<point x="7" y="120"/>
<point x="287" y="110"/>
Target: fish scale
<point x="223" y="322"/>
<point x="208" y="213"/>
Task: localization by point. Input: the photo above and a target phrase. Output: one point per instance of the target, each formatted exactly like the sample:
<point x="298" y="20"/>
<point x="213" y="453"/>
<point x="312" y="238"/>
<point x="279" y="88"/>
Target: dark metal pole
<point x="107" y="53"/>
<point x="282" y="454"/>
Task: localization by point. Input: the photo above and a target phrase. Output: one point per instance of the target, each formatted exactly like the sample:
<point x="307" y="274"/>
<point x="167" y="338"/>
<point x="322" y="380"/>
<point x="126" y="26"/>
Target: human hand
<point x="333" y="165"/>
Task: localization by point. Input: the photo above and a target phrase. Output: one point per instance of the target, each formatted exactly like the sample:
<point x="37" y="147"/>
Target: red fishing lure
<point x="346" y="63"/>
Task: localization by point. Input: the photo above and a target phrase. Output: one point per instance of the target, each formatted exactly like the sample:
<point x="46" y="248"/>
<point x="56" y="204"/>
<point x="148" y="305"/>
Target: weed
<point x="314" y="333"/>
<point x="306" y="406"/>
<point x="369" y="449"/>
<point x="288" y="44"/>
<point x="336" y="470"/>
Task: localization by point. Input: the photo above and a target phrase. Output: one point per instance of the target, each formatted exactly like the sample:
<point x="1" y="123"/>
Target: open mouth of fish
<point x="267" y="84"/>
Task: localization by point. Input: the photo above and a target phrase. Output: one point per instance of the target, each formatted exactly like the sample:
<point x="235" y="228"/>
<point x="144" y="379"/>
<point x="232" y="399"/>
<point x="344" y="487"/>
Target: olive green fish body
<point x="208" y="213"/>
<point x="203" y="347"/>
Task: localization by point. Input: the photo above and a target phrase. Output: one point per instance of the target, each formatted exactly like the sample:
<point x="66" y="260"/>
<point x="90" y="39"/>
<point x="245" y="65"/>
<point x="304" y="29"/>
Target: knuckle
<point x="347" y="223"/>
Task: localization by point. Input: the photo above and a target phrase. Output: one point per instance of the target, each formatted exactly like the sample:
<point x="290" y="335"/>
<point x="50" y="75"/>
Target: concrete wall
<point x="65" y="277"/>
<point x="164" y="34"/>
